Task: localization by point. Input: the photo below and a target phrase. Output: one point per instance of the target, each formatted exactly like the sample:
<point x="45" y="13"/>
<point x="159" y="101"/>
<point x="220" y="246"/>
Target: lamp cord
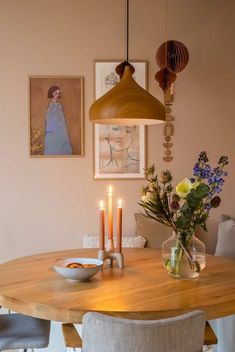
<point x="166" y="19"/>
<point x="127" y="30"/>
<point x="166" y="25"/>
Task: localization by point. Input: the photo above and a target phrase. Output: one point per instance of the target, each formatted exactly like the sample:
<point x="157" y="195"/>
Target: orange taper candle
<point x="110" y="246"/>
<point x="119" y="226"/>
<point x="110" y="212"/>
<point x="102" y="225"/>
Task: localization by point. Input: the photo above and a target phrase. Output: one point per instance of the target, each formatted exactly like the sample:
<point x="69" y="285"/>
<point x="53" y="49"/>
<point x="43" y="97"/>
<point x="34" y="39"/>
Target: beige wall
<point x="50" y="203"/>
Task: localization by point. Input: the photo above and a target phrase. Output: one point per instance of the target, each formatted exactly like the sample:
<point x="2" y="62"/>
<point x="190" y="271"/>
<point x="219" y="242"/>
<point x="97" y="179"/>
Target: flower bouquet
<point x="185" y="209"/>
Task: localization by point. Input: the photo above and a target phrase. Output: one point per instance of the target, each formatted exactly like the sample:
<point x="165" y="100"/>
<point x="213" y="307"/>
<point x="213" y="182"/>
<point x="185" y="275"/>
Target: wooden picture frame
<point x="119" y="151"/>
<point x="56" y="116"/>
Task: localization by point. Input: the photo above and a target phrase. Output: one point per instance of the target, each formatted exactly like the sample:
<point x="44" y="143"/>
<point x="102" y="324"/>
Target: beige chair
<point x="226" y="238"/>
<point x="154" y="232"/>
<point x="224" y="327"/>
<point x="102" y="333"/>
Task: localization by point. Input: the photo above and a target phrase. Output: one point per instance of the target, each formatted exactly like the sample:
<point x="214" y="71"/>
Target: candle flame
<point x="101" y="204"/>
<point x="110" y="191"/>
<point x="120" y="203"/>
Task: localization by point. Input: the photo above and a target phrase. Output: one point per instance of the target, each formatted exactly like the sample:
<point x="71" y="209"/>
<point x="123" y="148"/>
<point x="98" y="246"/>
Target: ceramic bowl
<point x="77" y="274"/>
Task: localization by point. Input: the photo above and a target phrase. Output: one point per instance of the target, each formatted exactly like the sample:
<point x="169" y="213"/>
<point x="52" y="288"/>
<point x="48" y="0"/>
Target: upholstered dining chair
<point x="23" y="332"/>
<point x="103" y="333"/>
<point x="225" y="247"/>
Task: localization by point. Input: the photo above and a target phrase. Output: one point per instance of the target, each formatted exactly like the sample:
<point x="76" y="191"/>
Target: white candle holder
<point x="109" y="256"/>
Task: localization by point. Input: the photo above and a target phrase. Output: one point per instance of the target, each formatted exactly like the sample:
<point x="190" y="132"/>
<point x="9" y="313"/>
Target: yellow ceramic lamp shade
<point x="127" y="104"/>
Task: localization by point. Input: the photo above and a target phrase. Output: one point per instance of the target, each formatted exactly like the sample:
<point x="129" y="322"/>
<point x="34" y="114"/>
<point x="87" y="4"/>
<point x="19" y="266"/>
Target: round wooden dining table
<point x="142" y="289"/>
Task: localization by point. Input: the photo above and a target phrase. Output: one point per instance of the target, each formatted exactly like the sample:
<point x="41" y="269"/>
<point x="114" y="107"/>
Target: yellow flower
<point x="183" y="188"/>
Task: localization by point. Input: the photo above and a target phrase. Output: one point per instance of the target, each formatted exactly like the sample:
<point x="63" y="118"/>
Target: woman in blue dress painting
<point x="56" y="135"/>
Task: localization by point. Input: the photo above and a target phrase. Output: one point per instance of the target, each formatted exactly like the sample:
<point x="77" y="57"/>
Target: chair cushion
<point x="92" y="241"/>
<point x="226" y="237"/>
<point x="20" y="331"/>
<point x="155" y="232"/>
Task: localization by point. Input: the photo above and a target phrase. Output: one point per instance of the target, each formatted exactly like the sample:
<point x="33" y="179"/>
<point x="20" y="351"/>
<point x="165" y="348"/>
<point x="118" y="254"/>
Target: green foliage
<point x="202" y="191"/>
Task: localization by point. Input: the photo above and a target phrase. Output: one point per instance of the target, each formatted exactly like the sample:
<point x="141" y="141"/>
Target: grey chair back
<point x="19" y="331"/>
<point x="102" y="333"/>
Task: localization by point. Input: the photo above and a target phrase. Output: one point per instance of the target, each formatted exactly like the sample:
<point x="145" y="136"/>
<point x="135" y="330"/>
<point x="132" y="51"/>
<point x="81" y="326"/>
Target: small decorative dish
<point x="77" y="269"/>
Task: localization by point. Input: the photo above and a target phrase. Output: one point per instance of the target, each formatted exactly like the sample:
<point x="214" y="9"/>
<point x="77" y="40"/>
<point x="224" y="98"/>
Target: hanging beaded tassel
<point x="168" y="128"/>
<point x="172" y="56"/>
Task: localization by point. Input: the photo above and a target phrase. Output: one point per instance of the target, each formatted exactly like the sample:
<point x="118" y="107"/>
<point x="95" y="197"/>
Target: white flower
<point x="183" y="188"/>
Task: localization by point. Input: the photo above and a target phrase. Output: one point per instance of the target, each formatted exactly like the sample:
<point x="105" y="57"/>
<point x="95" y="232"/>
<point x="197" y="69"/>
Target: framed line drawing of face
<point x="56" y="116"/>
<point x="119" y="151"/>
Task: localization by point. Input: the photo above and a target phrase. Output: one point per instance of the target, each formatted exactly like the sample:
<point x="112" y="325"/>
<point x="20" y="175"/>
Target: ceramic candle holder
<point x="110" y="256"/>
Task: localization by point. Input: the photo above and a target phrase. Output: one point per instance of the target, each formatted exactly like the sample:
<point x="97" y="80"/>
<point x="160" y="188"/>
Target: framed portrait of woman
<point x="119" y="151"/>
<point x="56" y="116"/>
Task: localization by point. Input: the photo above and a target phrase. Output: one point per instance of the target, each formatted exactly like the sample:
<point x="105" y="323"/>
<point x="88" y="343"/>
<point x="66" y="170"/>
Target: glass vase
<point x="183" y="255"/>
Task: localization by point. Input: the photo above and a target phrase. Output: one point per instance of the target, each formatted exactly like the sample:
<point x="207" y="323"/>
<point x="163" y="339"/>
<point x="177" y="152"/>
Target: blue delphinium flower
<point x="214" y="177"/>
<point x="201" y="169"/>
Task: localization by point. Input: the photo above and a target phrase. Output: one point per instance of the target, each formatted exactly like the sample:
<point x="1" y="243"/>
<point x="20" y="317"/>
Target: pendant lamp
<point x="127" y="103"/>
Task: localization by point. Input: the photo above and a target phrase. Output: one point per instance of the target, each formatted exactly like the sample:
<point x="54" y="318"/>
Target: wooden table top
<point x="143" y="289"/>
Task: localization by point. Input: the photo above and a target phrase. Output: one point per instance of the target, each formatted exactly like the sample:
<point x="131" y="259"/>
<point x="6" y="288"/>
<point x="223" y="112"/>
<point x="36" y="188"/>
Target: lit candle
<point x="119" y="226"/>
<point x="102" y="224"/>
<point x="110" y="219"/>
<point x="110" y="215"/>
